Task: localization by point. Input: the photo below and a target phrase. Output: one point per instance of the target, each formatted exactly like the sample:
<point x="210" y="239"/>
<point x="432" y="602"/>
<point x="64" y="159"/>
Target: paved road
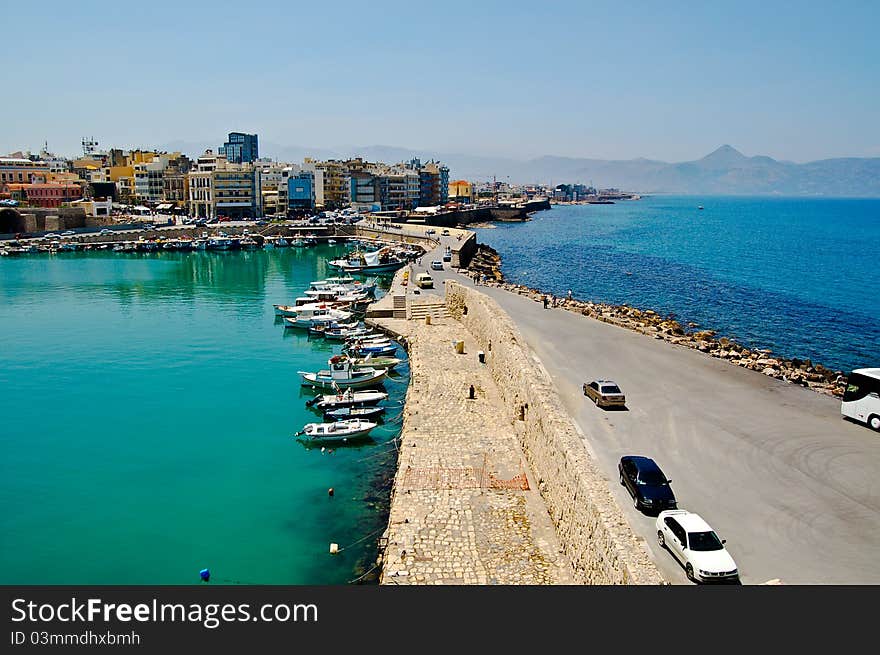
<point x="772" y="467"/>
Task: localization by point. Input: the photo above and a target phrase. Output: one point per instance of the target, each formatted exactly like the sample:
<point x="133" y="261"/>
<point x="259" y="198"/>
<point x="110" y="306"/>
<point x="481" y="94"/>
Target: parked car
<point x="51" y="235"/>
<point x="68" y="233"/>
<point x="444" y="233"/>
<point x="105" y="231"/>
<point x="437" y="265"/>
<point x="424" y="281"/>
<point x="646" y="483"/>
<point x="693" y="543"/>
<point x="447" y="257"/>
<point x="431" y="231"/>
<point x="605" y="393"/>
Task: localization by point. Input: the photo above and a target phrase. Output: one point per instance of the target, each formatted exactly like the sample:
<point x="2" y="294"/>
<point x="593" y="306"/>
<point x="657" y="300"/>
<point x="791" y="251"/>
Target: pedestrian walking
<point x="569" y="294"/>
<point x="546" y="300"/>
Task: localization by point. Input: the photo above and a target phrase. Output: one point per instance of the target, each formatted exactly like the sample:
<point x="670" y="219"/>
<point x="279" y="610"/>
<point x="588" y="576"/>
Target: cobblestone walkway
<point x="465" y="508"/>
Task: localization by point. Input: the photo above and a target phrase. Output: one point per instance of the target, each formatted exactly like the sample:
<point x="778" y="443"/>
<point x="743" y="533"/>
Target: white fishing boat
<point x="336" y="432"/>
<point x="304" y="307"/>
<point x="379" y="261"/>
<point x="219" y="243"/>
<point x="378" y="340"/>
<point x="340" y="334"/>
<point x="342" y="285"/>
<point x="348" y="398"/>
<point x="344" y="413"/>
<point x="377" y="362"/>
<point x="342" y="374"/>
<point x="380" y="349"/>
<point x="313" y="317"/>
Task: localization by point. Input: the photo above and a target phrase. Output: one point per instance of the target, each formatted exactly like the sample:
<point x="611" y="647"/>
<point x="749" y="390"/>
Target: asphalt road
<point x="770" y="466"/>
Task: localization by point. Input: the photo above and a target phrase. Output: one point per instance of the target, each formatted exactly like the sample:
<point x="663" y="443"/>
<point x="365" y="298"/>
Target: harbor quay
<point x="759" y="456"/>
<point x="493" y="485"/>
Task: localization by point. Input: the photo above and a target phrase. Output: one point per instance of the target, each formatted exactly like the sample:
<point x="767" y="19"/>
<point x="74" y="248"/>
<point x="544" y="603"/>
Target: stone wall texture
<point x="595" y="536"/>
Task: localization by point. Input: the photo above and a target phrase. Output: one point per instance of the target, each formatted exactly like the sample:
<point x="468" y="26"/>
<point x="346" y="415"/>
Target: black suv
<point x="646" y="483"/>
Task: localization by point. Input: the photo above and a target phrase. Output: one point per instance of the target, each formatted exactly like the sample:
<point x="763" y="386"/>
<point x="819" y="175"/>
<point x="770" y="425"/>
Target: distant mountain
<point x="724" y="171"/>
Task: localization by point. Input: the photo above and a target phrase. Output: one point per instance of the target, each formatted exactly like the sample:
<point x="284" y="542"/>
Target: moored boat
<point x="347" y="398"/>
<point x="338" y="431"/>
<point x="342" y="374"/>
<point x="343" y="413"/>
<point x="377" y="362"/>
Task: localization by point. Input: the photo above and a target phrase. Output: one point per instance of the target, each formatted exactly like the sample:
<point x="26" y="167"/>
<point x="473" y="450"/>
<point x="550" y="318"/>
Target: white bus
<point x="861" y="401"/>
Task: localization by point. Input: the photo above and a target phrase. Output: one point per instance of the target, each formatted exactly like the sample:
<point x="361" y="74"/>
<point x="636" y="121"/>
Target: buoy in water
<point x="330" y="491"/>
<point x="334" y="548"/>
<point x="205" y="575"/>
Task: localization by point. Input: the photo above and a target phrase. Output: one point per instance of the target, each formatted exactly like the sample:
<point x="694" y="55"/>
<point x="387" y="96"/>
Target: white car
<point x="693" y="543"/>
<point x="105" y="231"/>
<point x="68" y="233"/>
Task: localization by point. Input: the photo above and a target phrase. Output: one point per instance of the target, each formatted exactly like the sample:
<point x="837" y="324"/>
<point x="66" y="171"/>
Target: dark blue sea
<point x="798" y="276"/>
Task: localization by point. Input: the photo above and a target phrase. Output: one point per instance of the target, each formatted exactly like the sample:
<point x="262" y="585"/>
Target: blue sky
<point x="663" y="80"/>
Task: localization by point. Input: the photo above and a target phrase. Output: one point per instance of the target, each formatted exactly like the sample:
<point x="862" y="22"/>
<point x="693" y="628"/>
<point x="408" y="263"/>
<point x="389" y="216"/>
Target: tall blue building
<point x="241" y="148"/>
<point x="301" y="191"/>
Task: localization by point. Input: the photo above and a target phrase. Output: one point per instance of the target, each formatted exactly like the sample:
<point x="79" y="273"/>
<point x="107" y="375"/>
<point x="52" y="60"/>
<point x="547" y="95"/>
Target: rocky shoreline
<point x="805" y="373"/>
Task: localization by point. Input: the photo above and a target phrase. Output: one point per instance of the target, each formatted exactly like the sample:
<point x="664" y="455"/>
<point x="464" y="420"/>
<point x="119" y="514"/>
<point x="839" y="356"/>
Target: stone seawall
<point x="596" y="539"/>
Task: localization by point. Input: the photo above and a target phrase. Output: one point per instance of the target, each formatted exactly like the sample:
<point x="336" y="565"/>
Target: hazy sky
<point x="665" y="80"/>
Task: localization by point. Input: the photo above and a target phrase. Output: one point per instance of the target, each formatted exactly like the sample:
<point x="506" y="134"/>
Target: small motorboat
<point x="340" y="334"/>
<point x="342" y="373"/>
<point x="285" y="310"/>
<point x="347" y="398"/>
<point x="377" y="362"/>
<point x="376" y="349"/>
<point x="323" y="328"/>
<point x="306" y="319"/>
<point x="344" y="413"/>
<point x="338" y="431"/>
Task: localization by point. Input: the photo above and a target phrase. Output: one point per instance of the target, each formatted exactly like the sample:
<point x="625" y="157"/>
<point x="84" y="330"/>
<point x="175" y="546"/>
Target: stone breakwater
<point x="598" y="542"/>
<point x="795" y="371"/>
<point x="464" y="509"/>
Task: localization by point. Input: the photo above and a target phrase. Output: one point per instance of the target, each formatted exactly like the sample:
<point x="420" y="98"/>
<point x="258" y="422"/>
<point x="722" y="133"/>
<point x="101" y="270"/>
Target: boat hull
<point x="345" y="413"/>
<point x="328" y="382"/>
<point x="358" y="399"/>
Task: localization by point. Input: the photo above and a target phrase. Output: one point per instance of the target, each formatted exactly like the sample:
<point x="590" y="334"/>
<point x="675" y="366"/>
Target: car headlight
<point x="702" y="572"/>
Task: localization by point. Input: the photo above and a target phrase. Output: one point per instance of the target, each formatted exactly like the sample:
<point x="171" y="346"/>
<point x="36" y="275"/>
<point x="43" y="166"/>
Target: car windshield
<point x="704" y="541"/>
<point x="610" y="388"/>
<point x="653" y="477"/>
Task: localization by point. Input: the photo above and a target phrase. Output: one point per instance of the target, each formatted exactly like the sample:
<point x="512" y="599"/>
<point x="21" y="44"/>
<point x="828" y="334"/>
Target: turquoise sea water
<point x="146" y="422"/>
<point x="795" y="275"/>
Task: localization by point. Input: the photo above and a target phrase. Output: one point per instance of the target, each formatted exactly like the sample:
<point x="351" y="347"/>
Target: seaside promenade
<point x="770" y="465"/>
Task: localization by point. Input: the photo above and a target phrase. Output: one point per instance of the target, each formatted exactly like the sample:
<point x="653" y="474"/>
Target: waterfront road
<point x="772" y="467"/>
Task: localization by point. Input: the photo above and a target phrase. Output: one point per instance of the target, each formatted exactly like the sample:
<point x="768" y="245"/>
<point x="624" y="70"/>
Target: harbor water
<point x="148" y="411"/>
<point x="798" y="276"/>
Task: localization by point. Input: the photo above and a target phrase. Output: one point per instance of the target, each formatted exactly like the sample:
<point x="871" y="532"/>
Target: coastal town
<point x="45" y="192"/>
<point x="483" y="417"/>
